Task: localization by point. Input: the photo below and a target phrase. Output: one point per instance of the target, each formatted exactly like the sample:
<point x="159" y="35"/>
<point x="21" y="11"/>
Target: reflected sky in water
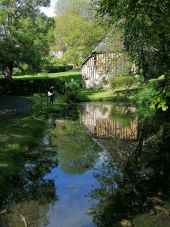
<point x="72" y="206"/>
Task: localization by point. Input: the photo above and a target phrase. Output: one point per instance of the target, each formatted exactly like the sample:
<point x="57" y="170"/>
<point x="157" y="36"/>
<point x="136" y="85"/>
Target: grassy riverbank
<point x="119" y="94"/>
<point x="66" y="76"/>
<point x="39" y="83"/>
<point x="106" y="94"/>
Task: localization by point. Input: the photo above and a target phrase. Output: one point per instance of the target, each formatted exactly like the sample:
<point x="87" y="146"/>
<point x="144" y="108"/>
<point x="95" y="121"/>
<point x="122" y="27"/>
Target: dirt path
<point x="12" y="105"/>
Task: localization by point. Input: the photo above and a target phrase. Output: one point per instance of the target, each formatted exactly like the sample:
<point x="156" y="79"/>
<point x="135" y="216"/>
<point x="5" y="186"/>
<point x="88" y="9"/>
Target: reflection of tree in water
<point x="33" y="214"/>
<point x="124" y="114"/>
<point x="76" y="151"/>
<point x="33" y="194"/>
<point x="68" y="112"/>
<point x="133" y="189"/>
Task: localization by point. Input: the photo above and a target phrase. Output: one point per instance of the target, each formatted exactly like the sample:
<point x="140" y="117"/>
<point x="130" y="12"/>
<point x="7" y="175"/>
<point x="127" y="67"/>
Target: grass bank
<point x="107" y="94"/>
<point x="39" y="83"/>
<point x="66" y="76"/>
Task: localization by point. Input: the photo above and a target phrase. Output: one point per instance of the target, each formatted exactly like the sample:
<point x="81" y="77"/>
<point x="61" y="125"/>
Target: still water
<point x="98" y="164"/>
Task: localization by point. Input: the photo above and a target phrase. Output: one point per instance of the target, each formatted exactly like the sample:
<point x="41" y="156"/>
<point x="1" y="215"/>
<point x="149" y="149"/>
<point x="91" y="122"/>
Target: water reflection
<point x="77" y="152"/>
<point x="26" y="200"/>
<point x="126" y="158"/>
<point x="106" y="120"/>
<point x="134" y="191"/>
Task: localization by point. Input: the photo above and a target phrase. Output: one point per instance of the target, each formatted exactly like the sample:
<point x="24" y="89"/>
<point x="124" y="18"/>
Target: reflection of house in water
<point x="98" y="120"/>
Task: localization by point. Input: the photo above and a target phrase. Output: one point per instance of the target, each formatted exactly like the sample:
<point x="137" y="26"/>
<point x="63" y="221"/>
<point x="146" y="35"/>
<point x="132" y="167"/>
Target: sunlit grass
<point x="119" y="94"/>
<point x="68" y="75"/>
<point x="104" y="95"/>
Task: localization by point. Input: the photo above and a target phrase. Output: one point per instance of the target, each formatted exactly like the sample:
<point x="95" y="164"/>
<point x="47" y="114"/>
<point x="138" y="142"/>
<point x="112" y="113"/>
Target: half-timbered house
<point x="106" y="61"/>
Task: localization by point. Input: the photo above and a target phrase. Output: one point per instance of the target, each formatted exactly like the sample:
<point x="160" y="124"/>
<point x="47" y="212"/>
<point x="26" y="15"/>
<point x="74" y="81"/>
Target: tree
<point x="76" y="7"/>
<point x="76" y="37"/>
<point x="23" y="34"/>
<point x="76" y="33"/>
<point x="146" y="31"/>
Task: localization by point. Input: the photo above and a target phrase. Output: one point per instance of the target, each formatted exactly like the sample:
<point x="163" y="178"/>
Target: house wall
<point x="100" y="67"/>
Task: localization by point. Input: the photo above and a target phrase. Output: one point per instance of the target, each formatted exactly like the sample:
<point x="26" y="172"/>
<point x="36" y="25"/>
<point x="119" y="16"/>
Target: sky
<point x="50" y="10"/>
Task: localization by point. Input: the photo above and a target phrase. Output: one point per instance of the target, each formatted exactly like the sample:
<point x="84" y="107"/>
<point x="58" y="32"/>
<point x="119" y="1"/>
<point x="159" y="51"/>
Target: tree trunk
<point x="7" y="71"/>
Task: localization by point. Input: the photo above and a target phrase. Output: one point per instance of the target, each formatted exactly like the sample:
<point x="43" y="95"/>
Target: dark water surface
<point x="99" y="164"/>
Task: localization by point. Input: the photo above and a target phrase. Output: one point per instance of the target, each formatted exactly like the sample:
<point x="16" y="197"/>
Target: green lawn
<point x="68" y="75"/>
<point x="85" y="94"/>
<point x="106" y="94"/>
<point x="119" y="94"/>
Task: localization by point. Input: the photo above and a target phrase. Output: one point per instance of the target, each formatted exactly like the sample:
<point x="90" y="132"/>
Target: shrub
<point x="72" y="90"/>
<point x="30" y="86"/>
<point x="126" y="81"/>
<point x="17" y="71"/>
<point x="25" y="68"/>
<point x="154" y="94"/>
<point x="50" y="65"/>
<point x="57" y="68"/>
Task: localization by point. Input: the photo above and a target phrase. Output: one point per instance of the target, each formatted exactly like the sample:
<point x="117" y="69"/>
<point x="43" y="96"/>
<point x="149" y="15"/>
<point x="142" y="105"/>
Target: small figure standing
<point x="51" y="94"/>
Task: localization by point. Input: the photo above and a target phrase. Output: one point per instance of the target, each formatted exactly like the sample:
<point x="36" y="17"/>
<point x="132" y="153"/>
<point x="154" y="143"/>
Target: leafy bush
<point x="57" y="68"/>
<point x="17" y="71"/>
<point x="126" y="81"/>
<point x="154" y="94"/>
<point x="23" y="69"/>
<point x="30" y="86"/>
<point x="72" y="90"/>
<point x="50" y="65"/>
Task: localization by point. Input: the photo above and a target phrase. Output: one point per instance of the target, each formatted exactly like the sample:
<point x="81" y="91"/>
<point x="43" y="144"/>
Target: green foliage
<point x="154" y="95"/>
<point x="52" y="66"/>
<point x="126" y="81"/>
<point x="17" y="71"/>
<point x="40" y="82"/>
<point x="72" y="90"/>
<point x="75" y="34"/>
<point x="23" y="69"/>
<point x="24" y="34"/>
<point x="77" y="7"/>
<point x="146" y="39"/>
<point x="57" y="68"/>
<point x="31" y="86"/>
<point x="145" y="112"/>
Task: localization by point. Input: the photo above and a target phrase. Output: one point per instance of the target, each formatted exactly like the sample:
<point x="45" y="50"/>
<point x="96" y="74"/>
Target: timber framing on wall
<point x="105" y="62"/>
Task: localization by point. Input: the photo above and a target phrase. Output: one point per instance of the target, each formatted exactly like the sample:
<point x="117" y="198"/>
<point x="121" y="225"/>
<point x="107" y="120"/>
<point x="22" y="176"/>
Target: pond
<point x="99" y="164"/>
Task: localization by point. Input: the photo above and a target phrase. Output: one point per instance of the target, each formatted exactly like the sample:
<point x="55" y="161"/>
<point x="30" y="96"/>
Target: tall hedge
<point x="30" y="86"/>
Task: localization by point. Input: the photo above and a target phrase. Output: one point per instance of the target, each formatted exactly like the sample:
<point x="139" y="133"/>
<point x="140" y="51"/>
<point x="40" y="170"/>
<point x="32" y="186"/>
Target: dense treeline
<point x="77" y="32"/>
<point x="24" y="34"/>
<point x="146" y="30"/>
<point x="146" y="26"/>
